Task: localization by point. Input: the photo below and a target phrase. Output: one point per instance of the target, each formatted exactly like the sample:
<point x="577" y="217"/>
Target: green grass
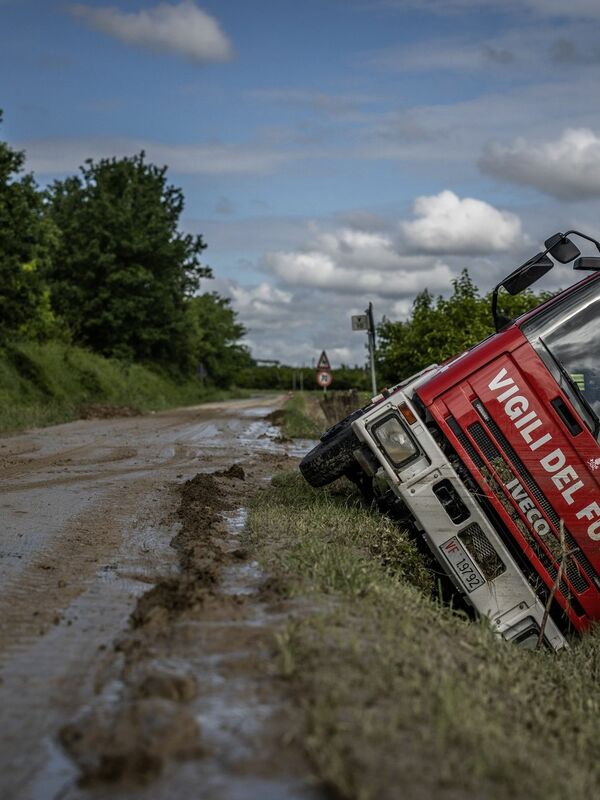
<point x="43" y="384"/>
<point x="301" y="418"/>
<point x="399" y="696"/>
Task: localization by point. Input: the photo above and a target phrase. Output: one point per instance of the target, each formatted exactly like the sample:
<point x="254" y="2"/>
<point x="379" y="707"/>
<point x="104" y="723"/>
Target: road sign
<point x="323" y="362"/>
<point x="360" y="322"/>
<point x="324" y="378"/>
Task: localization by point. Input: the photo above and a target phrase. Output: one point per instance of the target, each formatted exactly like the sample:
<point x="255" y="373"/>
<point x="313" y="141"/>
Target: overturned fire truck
<point x="493" y="458"/>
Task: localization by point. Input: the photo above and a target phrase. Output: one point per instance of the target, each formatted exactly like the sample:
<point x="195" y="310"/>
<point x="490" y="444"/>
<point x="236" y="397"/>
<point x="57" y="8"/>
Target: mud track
<point x="135" y="631"/>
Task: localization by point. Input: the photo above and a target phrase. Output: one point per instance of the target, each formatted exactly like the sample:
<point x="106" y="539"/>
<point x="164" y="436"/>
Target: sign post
<point x="365" y="322"/>
<point x="324" y="376"/>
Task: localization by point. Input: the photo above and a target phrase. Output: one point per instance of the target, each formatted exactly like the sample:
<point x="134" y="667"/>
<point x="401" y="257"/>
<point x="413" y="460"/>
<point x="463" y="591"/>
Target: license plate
<point x="467" y="572"/>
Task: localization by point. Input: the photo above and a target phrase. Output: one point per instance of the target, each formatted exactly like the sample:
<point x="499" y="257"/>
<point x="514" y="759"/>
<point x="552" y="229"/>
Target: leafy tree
<point x="24" y="240"/>
<point x="439" y="329"/>
<point x="213" y="338"/>
<point x="121" y="269"/>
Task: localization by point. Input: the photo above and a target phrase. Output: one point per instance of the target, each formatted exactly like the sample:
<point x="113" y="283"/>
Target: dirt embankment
<point x="337" y="405"/>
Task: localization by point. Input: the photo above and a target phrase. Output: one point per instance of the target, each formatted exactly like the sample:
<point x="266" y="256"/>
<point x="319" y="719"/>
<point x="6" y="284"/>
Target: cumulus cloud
<point x="183" y="29"/>
<point x="356" y="262"/>
<point x="294" y="326"/>
<point x="319" y="270"/>
<point x="312" y="289"/>
<point x="450" y="225"/>
<point x="399" y="262"/>
<point x="567" y="168"/>
<point x="356" y="248"/>
<point x="261" y="307"/>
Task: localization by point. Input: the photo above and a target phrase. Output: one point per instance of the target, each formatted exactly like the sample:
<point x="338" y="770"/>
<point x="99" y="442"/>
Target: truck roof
<point x="490" y="348"/>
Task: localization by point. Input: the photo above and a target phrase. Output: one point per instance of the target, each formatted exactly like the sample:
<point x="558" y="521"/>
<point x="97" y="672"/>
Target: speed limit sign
<point x="324" y="378"/>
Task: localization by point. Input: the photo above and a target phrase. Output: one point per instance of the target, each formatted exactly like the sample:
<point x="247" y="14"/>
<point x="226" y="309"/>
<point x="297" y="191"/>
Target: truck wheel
<point x="332" y="457"/>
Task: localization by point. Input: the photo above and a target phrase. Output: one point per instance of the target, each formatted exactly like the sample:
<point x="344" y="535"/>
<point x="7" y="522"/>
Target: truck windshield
<point x="567" y="337"/>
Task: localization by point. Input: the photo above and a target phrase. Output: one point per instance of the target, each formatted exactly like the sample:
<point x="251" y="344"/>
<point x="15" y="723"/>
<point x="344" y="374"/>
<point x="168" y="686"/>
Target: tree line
<point x="439" y="328"/>
<point x="98" y="260"/>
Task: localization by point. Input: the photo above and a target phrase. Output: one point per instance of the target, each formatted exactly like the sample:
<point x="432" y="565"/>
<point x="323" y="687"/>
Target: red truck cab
<point x="493" y="458"/>
<point x="521" y="412"/>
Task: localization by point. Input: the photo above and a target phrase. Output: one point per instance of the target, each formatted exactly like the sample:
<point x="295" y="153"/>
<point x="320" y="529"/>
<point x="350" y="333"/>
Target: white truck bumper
<point x="471" y="552"/>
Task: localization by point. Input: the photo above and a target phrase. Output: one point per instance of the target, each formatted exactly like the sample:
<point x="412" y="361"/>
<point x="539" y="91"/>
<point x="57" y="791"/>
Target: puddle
<point x="257" y="412"/>
<point x="236" y="521"/>
<point x="58" y="774"/>
<point x="243" y="578"/>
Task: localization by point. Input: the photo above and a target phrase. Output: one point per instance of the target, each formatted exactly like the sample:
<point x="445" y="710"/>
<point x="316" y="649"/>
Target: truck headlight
<point x="395" y="440"/>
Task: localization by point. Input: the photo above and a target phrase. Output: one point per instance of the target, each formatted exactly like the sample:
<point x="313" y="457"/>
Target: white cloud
<point x="358" y="262"/>
<point x="321" y="271"/>
<point x="56" y="156"/>
<point x="305" y="302"/>
<point x="183" y="28"/>
<point x="448" y="224"/>
<point x="567" y="168"/>
<point x="262" y="306"/>
<point x="294" y="326"/>
<point x="353" y="261"/>
<point x="355" y="248"/>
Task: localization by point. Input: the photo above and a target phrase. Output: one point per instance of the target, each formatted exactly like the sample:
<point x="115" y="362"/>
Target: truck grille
<point x="542" y="500"/>
<point x="495" y="458"/>
<point x="477" y="544"/>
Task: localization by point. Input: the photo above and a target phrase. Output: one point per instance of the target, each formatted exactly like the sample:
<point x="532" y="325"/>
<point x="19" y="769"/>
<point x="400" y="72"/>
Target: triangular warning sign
<point x="323" y="361"/>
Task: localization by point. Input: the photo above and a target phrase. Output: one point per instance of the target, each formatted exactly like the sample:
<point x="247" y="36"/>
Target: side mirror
<point x="528" y="274"/>
<point x="561" y="248"/>
<point x="587" y="262"/>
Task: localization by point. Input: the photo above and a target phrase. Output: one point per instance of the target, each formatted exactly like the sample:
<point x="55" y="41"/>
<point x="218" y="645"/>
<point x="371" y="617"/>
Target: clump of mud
<point x="130" y="743"/>
<point x="276" y="417"/>
<point x="106" y="411"/>
<point x="171" y="681"/>
<point x="171" y="597"/>
<point x="235" y="471"/>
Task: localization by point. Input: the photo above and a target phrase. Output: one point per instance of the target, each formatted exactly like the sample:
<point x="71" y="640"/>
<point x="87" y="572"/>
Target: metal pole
<point x="371" y="335"/>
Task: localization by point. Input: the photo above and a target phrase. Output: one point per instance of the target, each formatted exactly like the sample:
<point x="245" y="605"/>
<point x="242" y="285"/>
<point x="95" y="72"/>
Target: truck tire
<point x="333" y="456"/>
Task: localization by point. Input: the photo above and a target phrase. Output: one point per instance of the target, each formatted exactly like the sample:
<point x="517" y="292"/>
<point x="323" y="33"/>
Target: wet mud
<point x="106" y="411"/>
<point x="154" y="673"/>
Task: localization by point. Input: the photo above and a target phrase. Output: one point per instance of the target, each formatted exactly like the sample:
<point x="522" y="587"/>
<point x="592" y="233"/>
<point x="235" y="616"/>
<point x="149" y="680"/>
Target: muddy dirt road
<point x="135" y="632"/>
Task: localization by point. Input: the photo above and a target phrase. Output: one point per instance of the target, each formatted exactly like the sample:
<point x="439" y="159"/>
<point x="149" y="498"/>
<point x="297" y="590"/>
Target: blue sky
<point x="331" y="152"/>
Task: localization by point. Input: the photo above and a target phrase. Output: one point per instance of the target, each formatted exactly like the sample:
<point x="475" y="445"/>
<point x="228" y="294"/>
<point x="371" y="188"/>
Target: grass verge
<point x="400" y="696"/>
<point x="302" y="418"/>
<point x="43" y="384"/>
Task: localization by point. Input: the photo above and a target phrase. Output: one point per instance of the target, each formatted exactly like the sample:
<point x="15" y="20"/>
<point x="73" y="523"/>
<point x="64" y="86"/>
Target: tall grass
<point x="42" y="384"/>
<point x="302" y="417"/>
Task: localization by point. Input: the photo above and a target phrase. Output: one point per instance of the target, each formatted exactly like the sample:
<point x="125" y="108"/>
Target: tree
<point x="121" y="269"/>
<point x="439" y="329"/>
<point x="24" y="240"/>
<point x="213" y="337"/>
